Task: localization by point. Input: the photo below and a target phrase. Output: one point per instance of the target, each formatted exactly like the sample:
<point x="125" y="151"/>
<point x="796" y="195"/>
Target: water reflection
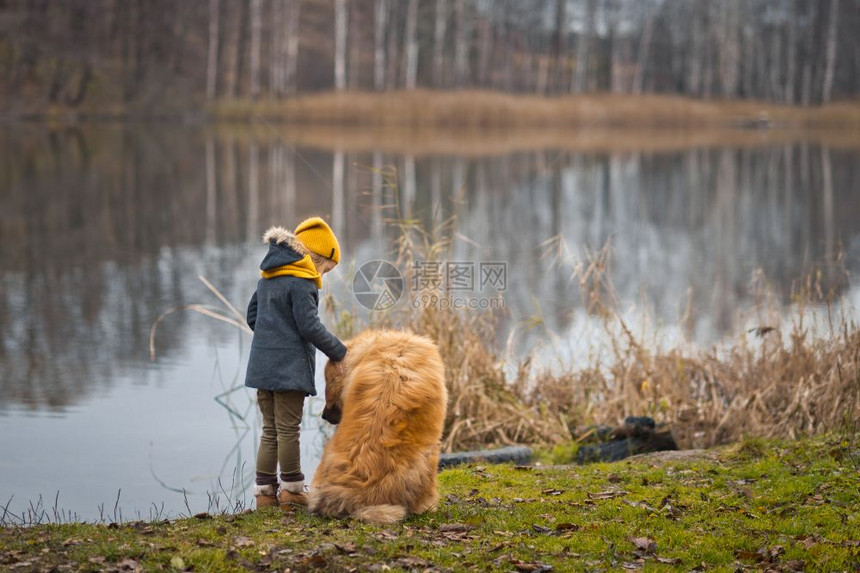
<point x="105" y="227"/>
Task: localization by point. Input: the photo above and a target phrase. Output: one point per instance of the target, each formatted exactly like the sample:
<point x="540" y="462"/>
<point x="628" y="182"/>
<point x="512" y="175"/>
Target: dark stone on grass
<point x="520" y="455"/>
<point x="638" y="435"/>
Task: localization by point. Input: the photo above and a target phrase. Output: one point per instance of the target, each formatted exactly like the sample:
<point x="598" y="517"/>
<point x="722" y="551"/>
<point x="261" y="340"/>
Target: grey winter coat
<point x="283" y="313"/>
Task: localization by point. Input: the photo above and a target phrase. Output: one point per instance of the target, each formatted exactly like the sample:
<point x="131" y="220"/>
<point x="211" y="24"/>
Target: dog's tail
<point x="380" y="514"/>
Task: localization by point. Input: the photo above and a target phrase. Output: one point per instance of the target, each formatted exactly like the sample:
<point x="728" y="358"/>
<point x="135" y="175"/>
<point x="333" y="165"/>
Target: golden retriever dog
<point x="388" y="398"/>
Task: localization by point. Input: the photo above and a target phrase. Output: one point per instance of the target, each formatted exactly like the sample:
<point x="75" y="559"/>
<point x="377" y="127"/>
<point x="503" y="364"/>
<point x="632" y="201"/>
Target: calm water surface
<point x="104" y="228"/>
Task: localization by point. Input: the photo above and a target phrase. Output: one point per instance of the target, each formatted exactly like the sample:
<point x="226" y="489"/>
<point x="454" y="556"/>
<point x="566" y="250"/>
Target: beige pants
<point x="279" y="442"/>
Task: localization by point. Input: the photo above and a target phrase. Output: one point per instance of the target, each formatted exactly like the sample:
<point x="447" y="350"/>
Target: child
<point x="283" y="315"/>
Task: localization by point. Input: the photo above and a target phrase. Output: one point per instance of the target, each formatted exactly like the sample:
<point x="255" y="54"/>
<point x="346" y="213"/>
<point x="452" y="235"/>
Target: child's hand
<point x="339" y="365"/>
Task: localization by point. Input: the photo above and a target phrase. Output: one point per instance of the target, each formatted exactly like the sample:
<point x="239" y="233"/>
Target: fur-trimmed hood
<point x="284" y="248"/>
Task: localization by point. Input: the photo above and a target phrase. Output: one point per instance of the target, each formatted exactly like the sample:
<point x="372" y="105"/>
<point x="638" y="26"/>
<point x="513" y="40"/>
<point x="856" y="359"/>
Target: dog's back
<point x="381" y="462"/>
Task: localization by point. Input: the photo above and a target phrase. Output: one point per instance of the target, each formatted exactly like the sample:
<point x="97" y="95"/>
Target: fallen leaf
<point x="242" y="541"/>
<point x="348" y="548"/>
<point x="748" y="555"/>
<point x="128" y="565"/>
<point x="606" y="494"/>
<point x="316" y="561"/>
<point x="530" y="566"/>
<point x="410" y="563"/>
<point x="454" y="527"/>
<point x="567" y="527"/>
<point x="541" y="528"/>
<point x="645" y="544"/>
<point x="668" y="560"/>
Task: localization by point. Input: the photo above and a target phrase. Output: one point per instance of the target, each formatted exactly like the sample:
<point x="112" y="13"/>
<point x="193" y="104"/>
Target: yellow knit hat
<point x="317" y="236"/>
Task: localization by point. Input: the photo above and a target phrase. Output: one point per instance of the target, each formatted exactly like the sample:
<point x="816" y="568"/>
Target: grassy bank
<point x="780" y="506"/>
<point x="486" y="109"/>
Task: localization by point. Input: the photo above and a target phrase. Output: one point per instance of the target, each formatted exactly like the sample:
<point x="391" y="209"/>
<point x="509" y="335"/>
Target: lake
<point x="105" y="227"/>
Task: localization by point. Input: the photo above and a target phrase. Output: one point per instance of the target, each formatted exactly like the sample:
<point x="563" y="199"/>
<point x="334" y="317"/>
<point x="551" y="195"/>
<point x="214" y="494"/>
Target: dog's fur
<point x="389" y="400"/>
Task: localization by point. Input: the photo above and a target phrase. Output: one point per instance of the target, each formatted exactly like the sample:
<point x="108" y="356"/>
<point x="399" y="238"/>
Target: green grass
<point x="759" y="504"/>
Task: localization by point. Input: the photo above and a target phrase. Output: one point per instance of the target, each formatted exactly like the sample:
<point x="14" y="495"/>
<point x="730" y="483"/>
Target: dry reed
<point x="780" y="381"/>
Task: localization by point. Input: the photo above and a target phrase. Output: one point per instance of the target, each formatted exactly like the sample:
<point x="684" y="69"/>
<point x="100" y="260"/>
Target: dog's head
<point x="335" y="380"/>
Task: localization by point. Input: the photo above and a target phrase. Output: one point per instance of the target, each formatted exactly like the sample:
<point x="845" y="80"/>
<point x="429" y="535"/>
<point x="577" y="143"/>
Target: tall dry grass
<point x="780" y="380"/>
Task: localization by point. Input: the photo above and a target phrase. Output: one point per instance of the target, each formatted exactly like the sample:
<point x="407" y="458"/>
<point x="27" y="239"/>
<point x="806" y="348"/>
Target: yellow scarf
<point x="303" y="269"/>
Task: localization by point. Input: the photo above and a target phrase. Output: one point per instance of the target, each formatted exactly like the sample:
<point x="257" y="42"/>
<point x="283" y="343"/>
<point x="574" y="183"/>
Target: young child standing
<point x="284" y="317"/>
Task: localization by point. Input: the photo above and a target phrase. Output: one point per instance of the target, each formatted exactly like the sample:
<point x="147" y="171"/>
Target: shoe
<point x="292" y="493"/>
<point x="265" y="496"/>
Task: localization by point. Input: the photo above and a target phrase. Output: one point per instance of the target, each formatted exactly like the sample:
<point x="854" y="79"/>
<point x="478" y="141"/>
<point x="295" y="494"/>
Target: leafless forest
<point x="171" y="53"/>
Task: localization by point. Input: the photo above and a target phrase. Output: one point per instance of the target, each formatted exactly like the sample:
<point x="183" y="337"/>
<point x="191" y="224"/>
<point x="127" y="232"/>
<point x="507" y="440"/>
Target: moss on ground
<point x="757" y="505"/>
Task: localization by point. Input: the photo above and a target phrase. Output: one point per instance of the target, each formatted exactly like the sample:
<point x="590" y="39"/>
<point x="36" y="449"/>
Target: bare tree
<point x="232" y="43"/>
<point x="393" y="43"/>
<point x="439" y="42"/>
<point x="583" y="46"/>
<point x="559" y="43"/>
<point x="613" y="18"/>
<point x="463" y="42"/>
<point x="277" y="47"/>
<point x="292" y="55"/>
<point x="644" y="47"/>
<point x="809" y="61"/>
<point x="212" y="61"/>
<point x="340" y="44"/>
<point x="354" y="62"/>
<point x="411" y="41"/>
<point x="791" y="55"/>
<point x="256" y="28"/>
<point x="729" y="46"/>
<point x="830" y="64"/>
<point x="379" y="45"/>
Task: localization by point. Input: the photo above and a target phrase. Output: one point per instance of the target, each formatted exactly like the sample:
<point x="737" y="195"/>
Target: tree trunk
<point x="256" y="28"/>
<point x="729" y="47"/>
<point x="694" y="81"/>
<point x="559" y="43"/>
<point x="340" y="45"/>
<point x="439" y="43"/>
<point x="291" y="74"/>
<point x="354" y="63"/>
<point x="791" y="56"/>
<point x="583" y="45"/>
<point x="379" y="45"/>
<point x="212" y="62"/>
<point x="811" y="50"/>
<point x="830" y="65"/>
<point x="241" y="44"/>
<point x="486" y="47"/>
<point x="393" y="43"/>
<point x="411" y="41"/>
<point x="463" y="42"/>
<point x="644" y="47"/>
<point x="276" y="67"/>
<point x="615" y="47"/>
<point x="231" y="50"/>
